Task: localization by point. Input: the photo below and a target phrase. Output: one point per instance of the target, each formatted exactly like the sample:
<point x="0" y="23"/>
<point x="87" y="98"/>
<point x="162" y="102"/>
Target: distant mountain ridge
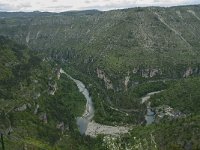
<point x="120" y="56"/>
<point x="150" y="34"/>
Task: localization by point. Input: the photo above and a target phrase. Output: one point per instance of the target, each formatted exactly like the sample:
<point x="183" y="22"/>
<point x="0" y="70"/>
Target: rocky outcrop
<point x="52" y="88"/>
<point x="25" y="147"/>
<point x="37" y="35"/>
<point x="22" y="108"/>
<point x="58" y="74"/>
<point x="188" y="72"/>
<point x="153" y="72"/>
<point x="126" y="81"/>
<point x="101" y="75"/>
<point x="28" y="37"/>
<point x="36" y="109"/>
<point x="43" y="117"/>
<point x="135" y="70"/>
<point x="61" y="126"/>
<point x="36" y="96"/>
<point x="8" y="130"/>
<point x="149" y="73"/>
<point x="145" y="73"/>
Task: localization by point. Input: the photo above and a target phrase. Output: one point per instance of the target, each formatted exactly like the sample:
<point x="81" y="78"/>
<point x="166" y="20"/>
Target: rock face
<point x="135" y="70"/>
<point x="22" y="108"/>
<point x="28" y="37"/>
<point x="191" y="71"/>
<point x="36" y="96"/>
<point x="58" y="74"/>
<point x="8" y="130"/>
<point x="43" y="117"/>
<point x="61" y="126"/>
<point x="52" y="88"/>
<point x="149" y="73"/>
<point x="145" y="73"/>
<point x="126" y="81"/>
<point x="188" y="72"/>
<point x="101" y="75"/>
<point x="153" y="72"/>
<point x="36" y="109"/>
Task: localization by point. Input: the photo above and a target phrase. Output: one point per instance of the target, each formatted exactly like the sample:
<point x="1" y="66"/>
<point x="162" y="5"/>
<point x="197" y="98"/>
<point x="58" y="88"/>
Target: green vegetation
<point x="183" y="95"/>
<point x="174" y="135"/>
<point x="157" y="43"/>
<point x="117" y="41"/>
<point x="134" y="51"/>
<point x="28" y="86"/>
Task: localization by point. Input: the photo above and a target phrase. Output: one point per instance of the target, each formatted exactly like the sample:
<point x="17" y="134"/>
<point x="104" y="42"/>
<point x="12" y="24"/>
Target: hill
<point x="120" y="55"/>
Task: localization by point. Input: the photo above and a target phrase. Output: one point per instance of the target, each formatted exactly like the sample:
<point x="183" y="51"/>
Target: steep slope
<point x="148" y="37"/>
<point x="115" y="51"/>
<point x="177" y="121"/>
<point x="139" y="42"/>
<point x="121" y="55"/>
<point x="38" y="107"/>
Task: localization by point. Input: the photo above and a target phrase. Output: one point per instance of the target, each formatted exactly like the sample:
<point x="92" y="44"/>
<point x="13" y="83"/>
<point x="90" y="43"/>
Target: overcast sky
<point x="66" y="5"/>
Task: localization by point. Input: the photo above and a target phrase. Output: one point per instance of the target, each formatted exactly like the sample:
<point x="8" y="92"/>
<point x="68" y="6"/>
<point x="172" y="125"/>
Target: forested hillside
<point x="125" y="46"/>
<point x="37" y="107"/>
<point x="121" y="56"/>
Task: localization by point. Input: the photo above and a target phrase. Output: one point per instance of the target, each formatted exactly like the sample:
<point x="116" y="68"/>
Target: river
<point x="91" y="128"/>
<point x="85" y="124"/>
<point x="150" y="115"/>
<point x="87" y="116"/>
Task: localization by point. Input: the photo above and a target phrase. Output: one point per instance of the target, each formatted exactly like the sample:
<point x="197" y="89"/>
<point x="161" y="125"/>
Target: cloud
<point x="118" y="4"/>
<point x="16" y="6"/>
<point x="65" y="5"/>
<point x="5" y="7"/>
<point x="58" y="8"/>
